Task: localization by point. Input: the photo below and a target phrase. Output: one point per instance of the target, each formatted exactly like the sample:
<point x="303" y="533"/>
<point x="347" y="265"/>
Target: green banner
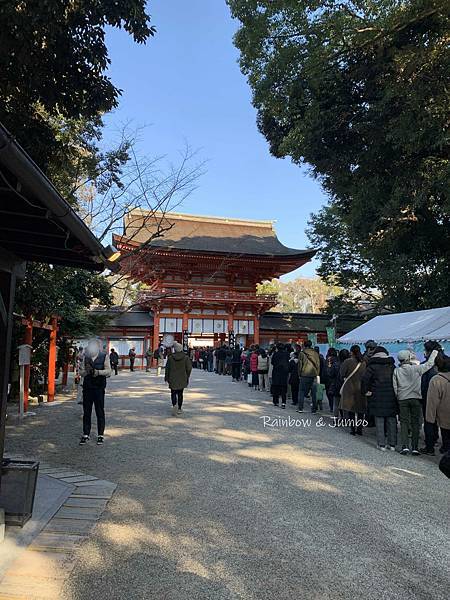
<point x="312" y="337"/>
<point x="331" y="335"/>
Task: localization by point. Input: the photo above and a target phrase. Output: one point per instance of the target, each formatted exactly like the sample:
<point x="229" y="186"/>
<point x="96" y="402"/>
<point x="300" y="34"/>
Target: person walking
<point x="377" y="385"/>
<point x="407" y="386"/>
<point x="438" y="400"/>
<point x="178" y="371"/>
<point x="132" y="357"/>
<point x="263" y="369"/>
<point x="353" y="401"/>
<point x="280" y="374"/>
<point x="308" y="371"/>
<point x="114" y="361"/>
<point x="95" y="370"/>
<point x="294" y="380"/>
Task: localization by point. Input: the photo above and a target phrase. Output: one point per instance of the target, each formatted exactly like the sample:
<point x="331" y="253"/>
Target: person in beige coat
<point x="353" y="401"/>
<point x="438" y="400"/>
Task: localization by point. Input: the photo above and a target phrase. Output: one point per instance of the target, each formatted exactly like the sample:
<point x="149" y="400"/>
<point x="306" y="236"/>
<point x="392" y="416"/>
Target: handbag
<point x="347" y="378"/>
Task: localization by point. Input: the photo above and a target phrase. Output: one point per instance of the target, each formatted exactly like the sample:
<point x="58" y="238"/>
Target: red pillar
<point x="230" y="323"/>
<point x="256" y="334"/>
<point x="27" y="339"/>
<point x="155" y="330"/>
<point x="52" y="361"/>
<point x="185" y="325"/>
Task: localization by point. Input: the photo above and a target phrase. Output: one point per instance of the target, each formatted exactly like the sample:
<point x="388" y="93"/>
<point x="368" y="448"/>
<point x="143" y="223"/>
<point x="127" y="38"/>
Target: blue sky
<point x="186" y="85"/>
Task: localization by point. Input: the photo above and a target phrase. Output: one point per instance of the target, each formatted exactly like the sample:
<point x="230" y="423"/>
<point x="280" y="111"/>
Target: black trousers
<point x="236" y="370"/>
<point x="115" y="367"/>
<point x="294" y="391"/>
<point x="177" y="397"/>
<point x="96" y="397"/>
<point x="445" y="435"/>
<point x="277" y="391"/>
<point x="131" y="365"/>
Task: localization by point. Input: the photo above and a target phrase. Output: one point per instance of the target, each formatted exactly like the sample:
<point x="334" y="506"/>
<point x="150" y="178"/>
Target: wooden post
<point x="27" y="339"/>
<point x="155" y="330"/>
<point x="7" y="291"/>
<point x="256" y="326"/>
<point x="52" y="361"/>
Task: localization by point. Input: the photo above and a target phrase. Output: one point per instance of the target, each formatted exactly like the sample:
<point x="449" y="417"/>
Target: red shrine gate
<point x="202" y="273"/>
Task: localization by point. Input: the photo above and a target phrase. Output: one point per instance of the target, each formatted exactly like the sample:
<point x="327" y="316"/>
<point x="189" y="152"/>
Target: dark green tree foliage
<point x="64" y="292"/>
<point x="53" y="63"/>
<point x="358" y="90"/>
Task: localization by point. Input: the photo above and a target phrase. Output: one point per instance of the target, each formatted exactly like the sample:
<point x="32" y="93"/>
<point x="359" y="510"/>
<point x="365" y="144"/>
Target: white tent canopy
<point x="421" y="325"/>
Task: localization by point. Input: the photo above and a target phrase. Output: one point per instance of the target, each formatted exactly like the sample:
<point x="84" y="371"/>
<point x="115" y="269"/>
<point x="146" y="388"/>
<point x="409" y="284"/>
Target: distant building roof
<point x="207" y="234"/>
<point x="314" y="323"/>
<point x="121" y="317"/>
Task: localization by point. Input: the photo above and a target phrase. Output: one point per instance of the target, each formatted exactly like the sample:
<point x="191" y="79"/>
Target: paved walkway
<point x="214" y="506"/>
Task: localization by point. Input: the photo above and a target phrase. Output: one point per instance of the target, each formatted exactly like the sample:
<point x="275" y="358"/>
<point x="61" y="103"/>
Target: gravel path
<point x="213" y="505"/>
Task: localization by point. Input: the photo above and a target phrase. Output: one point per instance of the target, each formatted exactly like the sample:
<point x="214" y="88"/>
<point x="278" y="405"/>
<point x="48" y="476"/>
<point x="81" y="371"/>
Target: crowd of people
<point x="362" y="389"/>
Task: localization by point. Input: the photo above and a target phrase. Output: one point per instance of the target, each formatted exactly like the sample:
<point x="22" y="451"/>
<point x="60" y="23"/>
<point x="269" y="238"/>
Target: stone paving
<point x="40" y="571"/>
<point x="213" y="505"/>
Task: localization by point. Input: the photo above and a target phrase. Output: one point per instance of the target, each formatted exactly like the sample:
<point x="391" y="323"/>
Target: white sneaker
<point x="179" y="412"/>
<point x="392" y="448"/>
<point x="174" y="410"/>
<point x="382" y="448"/>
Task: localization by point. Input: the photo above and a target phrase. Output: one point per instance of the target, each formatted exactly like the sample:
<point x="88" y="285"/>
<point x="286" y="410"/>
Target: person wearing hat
<point x="178" y="371"/>
<point x="407" y="387"/>
<point x="369" y="346"/>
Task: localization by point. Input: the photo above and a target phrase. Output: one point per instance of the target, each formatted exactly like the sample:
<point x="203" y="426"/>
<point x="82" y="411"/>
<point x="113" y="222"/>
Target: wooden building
<point x="202" y="273"/>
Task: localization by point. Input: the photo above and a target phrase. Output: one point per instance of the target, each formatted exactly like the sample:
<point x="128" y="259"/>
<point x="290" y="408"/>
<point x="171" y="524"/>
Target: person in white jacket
<point x="406" y="380"/>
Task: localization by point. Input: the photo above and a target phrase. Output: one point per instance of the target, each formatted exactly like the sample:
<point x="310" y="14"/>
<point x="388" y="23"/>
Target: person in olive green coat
<point x="178" y="371"/>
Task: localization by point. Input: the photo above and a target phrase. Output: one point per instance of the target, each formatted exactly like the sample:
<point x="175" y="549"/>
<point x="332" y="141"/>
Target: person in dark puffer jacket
<point x="377" y="385"/>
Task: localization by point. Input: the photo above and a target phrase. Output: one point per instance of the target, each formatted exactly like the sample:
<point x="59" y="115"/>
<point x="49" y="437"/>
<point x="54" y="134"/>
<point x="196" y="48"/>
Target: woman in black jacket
<point x="330" y="375"/>
<point x="280" y="373"/>
<point x="381" y="401"/>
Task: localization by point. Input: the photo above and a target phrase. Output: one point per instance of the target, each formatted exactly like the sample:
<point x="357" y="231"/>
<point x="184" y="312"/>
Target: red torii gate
<point x="51" y="374"/>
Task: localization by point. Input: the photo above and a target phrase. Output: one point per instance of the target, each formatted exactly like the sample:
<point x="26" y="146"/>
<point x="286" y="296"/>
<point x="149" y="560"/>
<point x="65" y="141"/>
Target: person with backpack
<point x="308" y="371"/>
<point x="95" y="370"/>
<point x="438" y="400"/>
<point x="407" y="387"/>
<point x="353" y="401"/>
<point x="178" y="371"/>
